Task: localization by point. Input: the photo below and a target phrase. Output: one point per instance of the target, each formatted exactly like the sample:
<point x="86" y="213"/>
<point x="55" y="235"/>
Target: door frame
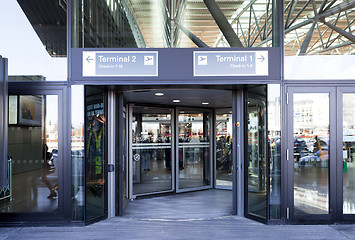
<point x="289" y="162"/>
<point x="176" y="146"/>
<point x="64" y="212"/>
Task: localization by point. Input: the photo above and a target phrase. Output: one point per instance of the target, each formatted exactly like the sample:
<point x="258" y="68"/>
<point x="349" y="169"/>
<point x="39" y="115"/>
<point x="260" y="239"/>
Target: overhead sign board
<point x="120" y="63"/>
<point x="230" y="63"/>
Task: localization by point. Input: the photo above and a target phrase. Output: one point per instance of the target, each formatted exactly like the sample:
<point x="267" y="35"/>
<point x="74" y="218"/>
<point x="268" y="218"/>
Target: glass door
<point x="151" y="151"/>
<point x="193" y="165"/>
<point x="346" y="153"/>
<point x="311" y="153"/>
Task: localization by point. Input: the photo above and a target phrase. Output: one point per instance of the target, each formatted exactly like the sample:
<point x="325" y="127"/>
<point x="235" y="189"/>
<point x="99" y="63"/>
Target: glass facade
<point x="171" y="24"/>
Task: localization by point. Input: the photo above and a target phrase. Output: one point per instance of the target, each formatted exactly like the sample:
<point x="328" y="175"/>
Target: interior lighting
<point x="205" y="103"/>
<point x="159" y="94"/>
<point x="176" y="100"/>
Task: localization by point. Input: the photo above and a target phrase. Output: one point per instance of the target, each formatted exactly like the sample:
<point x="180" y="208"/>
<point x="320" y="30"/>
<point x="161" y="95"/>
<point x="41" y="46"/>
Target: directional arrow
<point x="89" y="59"/>
<point x="262" y="58"/>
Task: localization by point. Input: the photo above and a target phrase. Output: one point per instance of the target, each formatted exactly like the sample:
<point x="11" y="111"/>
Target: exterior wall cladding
<point x="307" y="175"/>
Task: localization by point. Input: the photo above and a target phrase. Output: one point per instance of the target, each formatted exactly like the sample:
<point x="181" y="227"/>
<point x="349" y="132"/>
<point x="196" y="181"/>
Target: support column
<point x="3" y="122"/>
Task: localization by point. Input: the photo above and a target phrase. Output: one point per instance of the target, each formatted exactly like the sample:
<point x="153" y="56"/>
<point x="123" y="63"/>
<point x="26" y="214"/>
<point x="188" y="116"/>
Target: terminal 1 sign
<point x="231" y="63"/>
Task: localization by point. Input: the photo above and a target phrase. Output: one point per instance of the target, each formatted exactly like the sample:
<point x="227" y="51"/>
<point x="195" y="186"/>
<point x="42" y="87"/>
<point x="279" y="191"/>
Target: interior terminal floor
<point x="199" y="205"/>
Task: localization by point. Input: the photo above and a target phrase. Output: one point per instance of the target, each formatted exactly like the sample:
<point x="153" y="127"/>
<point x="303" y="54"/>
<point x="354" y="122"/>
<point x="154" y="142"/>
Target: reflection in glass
<point x="151" y="145"/>
<point x="194" y="149"/>
<point x="77" y="152"/>
<point x="256" y="152"/>
<point x="95" y="155"/>
<point x="33" y="150"/>
<point x="311" y="153"/>
<point x="224" y="162"/>
<point x="348" y="153"/>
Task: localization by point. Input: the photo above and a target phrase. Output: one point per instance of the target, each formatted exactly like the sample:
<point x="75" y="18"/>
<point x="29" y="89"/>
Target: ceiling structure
<point x="311" y="26"/>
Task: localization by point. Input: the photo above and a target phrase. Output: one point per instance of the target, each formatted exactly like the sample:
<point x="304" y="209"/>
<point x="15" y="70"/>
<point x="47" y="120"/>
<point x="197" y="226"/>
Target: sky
<point x="24" y="50"/>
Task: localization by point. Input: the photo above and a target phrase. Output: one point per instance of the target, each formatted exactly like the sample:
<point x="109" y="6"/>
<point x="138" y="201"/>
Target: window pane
<point x="33" y="150"/>
<point x="311" y="153"/>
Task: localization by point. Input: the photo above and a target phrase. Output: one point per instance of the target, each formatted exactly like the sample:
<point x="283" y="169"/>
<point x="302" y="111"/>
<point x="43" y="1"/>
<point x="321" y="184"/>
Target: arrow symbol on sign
<point x="89" y="59"/>
<point x="262" y="58"/>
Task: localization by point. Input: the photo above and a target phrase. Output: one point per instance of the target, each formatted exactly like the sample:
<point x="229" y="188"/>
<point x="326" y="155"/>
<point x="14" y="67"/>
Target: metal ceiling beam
<point x="337" y="9"/>
<point x="193" y="37"/>
<point x="307" y="39"/>
<point x="341" y="31"/>
<point x="223" y="23"/>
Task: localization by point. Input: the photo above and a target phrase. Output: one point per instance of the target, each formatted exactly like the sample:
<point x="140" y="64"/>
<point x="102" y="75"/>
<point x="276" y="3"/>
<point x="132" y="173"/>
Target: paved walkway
<point x="220" y="228"/>
<point x="184" y="217"/>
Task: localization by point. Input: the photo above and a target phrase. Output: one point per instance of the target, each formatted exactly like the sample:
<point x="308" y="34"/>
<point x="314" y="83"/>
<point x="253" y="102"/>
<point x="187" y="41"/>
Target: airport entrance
<point x="179" y="145"/>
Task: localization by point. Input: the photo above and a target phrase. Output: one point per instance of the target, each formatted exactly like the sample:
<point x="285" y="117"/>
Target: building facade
<point x="105" y="101"/>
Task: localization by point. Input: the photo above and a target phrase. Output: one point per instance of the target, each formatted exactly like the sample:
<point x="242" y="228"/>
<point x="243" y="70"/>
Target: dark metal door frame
<point x="289" y="162"/>
<point x="61" y="90"/>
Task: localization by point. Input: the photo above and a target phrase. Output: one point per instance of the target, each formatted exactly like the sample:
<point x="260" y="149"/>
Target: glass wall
<point x="95" y="153"/>
<point x="256" y="152"/>
<point x="348" y="153"/>
<point x="33" y="38"/>
<point x="77" y="152"/>
<point x="34" y="165"/>
<point x="274" y="148"/>
<point x="171" y="24"/>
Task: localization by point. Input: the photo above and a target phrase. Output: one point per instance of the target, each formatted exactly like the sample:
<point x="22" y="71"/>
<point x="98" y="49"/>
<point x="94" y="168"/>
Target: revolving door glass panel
<point x="151" y="150"/>
<point x="194" y="149"/>
<point x="224" y="177"/>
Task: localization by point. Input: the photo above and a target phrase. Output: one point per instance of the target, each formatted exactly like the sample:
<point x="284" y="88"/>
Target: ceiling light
<point x="176" y="100"/>
<point x="205" y="103"/>
<point x="159" y="94"/>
